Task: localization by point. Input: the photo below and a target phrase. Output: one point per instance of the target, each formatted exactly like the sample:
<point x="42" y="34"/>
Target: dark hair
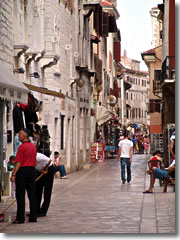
<point x="27" y="131"/>
<point x="157" y="152"/>
<point x="125" y="134"/>
<point x="12" y="157"/>
<point x="56" y="153"/>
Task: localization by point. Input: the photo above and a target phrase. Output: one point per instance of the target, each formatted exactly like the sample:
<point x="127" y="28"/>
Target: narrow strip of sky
<point x="136" y="27"/>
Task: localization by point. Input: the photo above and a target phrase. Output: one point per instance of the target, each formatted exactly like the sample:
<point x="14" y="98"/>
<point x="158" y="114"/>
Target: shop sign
<point x="97" y="152"/>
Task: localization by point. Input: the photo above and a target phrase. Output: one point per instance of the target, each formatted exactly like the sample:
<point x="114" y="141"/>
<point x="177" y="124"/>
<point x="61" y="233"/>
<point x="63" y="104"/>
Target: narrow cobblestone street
<point x="94" y="201"/>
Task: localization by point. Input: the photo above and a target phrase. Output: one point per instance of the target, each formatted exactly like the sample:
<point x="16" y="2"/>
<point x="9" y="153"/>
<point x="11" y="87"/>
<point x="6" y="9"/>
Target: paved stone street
<point x="94" y="201"/>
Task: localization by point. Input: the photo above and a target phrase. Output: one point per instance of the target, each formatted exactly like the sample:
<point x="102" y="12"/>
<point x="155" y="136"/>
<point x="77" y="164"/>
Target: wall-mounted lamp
<point x="80" y="82"/>
<point x="19" y="70"/>
<point x="35" y="75"/>
<point x="98" y="88"/>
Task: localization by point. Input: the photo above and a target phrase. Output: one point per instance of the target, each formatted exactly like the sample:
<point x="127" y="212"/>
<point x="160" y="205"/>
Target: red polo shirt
<point x="26" y="154"/>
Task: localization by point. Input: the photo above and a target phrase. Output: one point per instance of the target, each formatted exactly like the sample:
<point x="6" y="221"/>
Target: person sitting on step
<point x="59" y="166"/>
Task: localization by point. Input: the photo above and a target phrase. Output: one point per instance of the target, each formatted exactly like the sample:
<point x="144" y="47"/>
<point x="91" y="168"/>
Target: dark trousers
<point x="44" y="187"/>
<point x="25" y="180"/>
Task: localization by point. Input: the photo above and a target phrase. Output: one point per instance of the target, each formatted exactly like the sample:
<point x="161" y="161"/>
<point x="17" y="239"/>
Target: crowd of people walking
<point x="140" y="143"/>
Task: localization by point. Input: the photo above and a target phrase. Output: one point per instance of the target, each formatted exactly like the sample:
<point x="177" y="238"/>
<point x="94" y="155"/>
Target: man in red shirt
<point x="24" y="175"/>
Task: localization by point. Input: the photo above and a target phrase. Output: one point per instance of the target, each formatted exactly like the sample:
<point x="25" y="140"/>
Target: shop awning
<point x="11" y="88"/>
<point x="103" y="115"/>
<point x="44" y="90"/>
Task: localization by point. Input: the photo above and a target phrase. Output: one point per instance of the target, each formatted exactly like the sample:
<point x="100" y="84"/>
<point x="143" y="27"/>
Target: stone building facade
<point x="161" y="63"/>
<point x="137" y="97"/>
<point x="11" y="91"/>
<point x="57" y="45"/>
<point x="56" y="53"/>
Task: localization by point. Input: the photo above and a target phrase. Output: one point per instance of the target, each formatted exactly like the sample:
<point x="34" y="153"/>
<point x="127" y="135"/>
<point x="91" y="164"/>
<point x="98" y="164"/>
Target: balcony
<point x="157" y="87"/>
<point x="168" y="70"/>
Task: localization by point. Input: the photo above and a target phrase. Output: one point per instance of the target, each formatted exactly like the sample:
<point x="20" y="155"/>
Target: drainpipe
<point x="1" y="148"/>
<point x="122" y="101"/>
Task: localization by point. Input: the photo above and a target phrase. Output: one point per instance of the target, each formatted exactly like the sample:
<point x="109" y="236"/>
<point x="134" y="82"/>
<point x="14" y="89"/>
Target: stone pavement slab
<point x="93" y="200"/>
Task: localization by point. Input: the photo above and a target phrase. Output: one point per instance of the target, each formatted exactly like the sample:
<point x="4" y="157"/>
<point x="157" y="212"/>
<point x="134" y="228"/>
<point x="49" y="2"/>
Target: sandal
<point x="147" y="191"/>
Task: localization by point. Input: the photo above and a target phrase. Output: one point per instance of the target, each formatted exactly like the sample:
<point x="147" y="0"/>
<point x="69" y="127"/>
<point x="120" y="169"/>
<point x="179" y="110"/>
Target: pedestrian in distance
<point x="146" y="144"/>
<point x="125" y="157"/>
<point x="24" y="174"/>
<point x="44" y="184"/>
<point x="59" y="167"/>
<point x="134" y="143"/>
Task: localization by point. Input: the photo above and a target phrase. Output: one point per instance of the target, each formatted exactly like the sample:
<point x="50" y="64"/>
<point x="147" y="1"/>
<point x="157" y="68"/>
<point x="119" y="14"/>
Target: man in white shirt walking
<point x="125" y="157"/>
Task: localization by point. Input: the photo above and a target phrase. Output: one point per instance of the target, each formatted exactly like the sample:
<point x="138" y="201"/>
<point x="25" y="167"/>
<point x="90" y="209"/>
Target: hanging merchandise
<point x="44" y="146"/>
<point x="30" y="112"/>
<point x="18" y="118"/>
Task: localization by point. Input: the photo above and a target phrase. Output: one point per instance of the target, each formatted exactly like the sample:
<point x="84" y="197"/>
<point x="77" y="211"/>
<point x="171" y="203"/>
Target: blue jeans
<point x="61" y="170"/>
<point x="125" y="162"/>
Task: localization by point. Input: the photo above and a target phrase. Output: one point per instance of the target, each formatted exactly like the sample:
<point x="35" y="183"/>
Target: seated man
<point x="160" y="174"/>
<point x="156" y="156"/>
<point x="59" y="166"/>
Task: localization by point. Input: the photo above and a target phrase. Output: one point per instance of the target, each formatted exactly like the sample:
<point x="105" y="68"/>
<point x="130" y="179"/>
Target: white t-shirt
<point x="172" y="137"/>
<point x="125" y="145"/>
<point x="41" y="161"/>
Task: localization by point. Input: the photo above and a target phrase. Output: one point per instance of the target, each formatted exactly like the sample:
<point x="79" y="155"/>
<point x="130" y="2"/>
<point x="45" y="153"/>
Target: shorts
<point x="160" y="174"/>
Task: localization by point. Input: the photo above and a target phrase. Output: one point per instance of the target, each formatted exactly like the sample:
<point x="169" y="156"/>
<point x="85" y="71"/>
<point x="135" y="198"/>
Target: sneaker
<point x="123" y="182"/>
<point x="64" y="177"/>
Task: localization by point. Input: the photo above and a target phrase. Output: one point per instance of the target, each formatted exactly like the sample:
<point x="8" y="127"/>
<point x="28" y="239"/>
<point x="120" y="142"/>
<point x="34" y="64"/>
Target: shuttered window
<point x="98" y="68"/>
<point x="98" y="21"/>
<point x="155" y="105"/>
<point x="117" y="51"/>
<point x="105" y="24"/>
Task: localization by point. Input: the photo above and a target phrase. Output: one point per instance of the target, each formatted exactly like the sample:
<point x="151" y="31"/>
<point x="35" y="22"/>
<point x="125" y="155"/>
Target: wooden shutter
<point x="98" y="68"/>
<point x="112" y="24"/>
<point x="117" y="51"/>
<point x="96" y="20"/>
<point x="151" y="106"/>
<point x="105" y="24"/>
